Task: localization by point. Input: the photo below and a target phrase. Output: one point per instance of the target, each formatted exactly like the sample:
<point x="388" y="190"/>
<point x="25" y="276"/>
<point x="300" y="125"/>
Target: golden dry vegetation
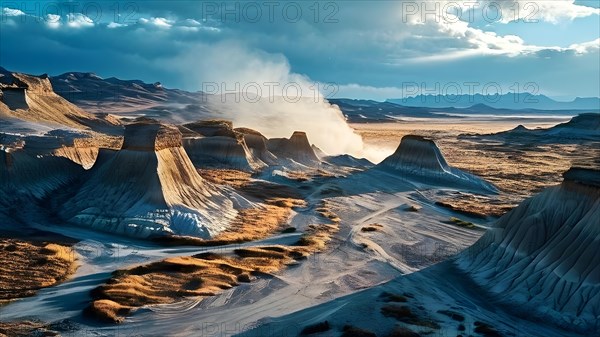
<point x="26" y="329"/>
<point x="518" y="170"/>
<point x="274" y="205"/>
<point x="26" y="267"/>
<point x="233" y="178"/>
<point x="201" y="275"/>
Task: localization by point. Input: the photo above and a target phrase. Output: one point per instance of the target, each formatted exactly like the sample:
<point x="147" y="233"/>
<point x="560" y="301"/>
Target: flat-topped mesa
<point x="416" y="153"/>
<point x="419" y="158"/>
<point x="151" y="135"/>
<point x="211" y="128"/>
<point x="149" y="188"/>
<point x="542" y="256"/>
<point x="215" y="144"/>
<point x="32" y="98"/>
<point x="296" y="148"/>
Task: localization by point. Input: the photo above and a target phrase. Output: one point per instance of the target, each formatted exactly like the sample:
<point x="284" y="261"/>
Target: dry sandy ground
<point x="517" y="170"/>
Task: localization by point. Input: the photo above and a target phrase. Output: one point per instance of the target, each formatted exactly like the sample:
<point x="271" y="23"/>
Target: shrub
<point x="314" y="328"/>
<point x="351" y="331"/>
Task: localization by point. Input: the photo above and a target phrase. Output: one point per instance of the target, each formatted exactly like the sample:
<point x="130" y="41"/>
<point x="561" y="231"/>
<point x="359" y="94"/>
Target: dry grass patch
<point x="172" y="279"/>
<point x="26" y="267"/>
<point x="233" y="178"/>
<point x="325" y="210"/>
<point x="372" y="228"/>
<point x="464" y="224"/>
<point x="201" y="275"/>
<point x="207" y="274"/>
<point x="257" y="223"/>
<point x="250" y="224"/>
<point x="264" y="191"/>
<point x="316" y="237"/>
<point x="26" y="329"/>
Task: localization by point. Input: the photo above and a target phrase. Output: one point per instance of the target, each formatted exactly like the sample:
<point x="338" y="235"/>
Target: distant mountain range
<point x="95" y="95"/>
<point x="506" y="101"/>
<point x="360" y="111"/>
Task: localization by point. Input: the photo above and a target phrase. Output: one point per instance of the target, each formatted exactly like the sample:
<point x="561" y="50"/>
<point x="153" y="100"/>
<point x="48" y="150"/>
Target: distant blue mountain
<point x="508" y="101"/>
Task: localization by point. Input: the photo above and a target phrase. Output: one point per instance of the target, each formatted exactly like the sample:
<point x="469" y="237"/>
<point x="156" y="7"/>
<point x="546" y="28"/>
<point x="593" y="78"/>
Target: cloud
<point x="553" y="11"/>
<point x="357" y="49"/>
<point x="115" y="25"/>
<point x="78" y="20"/>
<point x="586" y="47"/>
<point x="12" y="12"/>
<point x="157" y="22"/>
<point x="53" y="21"/>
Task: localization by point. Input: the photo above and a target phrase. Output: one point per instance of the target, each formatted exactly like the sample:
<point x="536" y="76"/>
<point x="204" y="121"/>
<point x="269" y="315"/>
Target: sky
<point x="357" y="49"/>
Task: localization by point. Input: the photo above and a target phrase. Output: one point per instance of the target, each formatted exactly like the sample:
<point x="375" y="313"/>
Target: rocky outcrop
<point x="215" y="144"/>
<point x="257" y="144"/>
<point x="297" y="148"/>
<point x="32" y="99"/>
<point x="419" y="158"/>
<point x="543" y="257"/>
<point x="149" y="188"/>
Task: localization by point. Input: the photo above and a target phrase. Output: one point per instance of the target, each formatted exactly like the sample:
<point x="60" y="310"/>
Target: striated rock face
<point x="257" y="144"/>
<point x="149" y="135"/>
<point x="221" y="152"/>
<point x="296" y="148"/>
<point x="419" y="158"/>
<point x="149" y="188"/>
<point x="23" y="175"/>
<point x="32" y="99"/>
<point x="543" y="257"/>
<point x="214" y="143"/>
<point x="210" y="128"/>
<point x="416" y="153"/>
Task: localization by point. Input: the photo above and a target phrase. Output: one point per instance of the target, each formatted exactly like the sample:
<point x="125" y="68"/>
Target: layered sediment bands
<point x="257" y="144"/>
<point x="32" y="99"/>
<point x="543" y="256"/>
<point x="221" y="152"/>
<point x="296" y="148"/>
<point x="419" y="157"/>
<point x="417" y="153"/>
<point x="149" y="188"/>
<point x="25" y="175"/>
<point x="210" y="128"/>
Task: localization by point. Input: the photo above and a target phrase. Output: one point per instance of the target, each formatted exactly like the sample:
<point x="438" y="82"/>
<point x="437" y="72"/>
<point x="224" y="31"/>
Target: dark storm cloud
<point x="367" y="43"/>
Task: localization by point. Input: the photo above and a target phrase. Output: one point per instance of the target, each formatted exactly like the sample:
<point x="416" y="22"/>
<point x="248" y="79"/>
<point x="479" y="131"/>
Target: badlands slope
<point x="32" y="99"/>
<point x="419" y="158"/>
<point x="149" y="188"/>
<point x="356" y="227"/>
<point x="534" y="273"/>
<point x="584" y="127"/>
